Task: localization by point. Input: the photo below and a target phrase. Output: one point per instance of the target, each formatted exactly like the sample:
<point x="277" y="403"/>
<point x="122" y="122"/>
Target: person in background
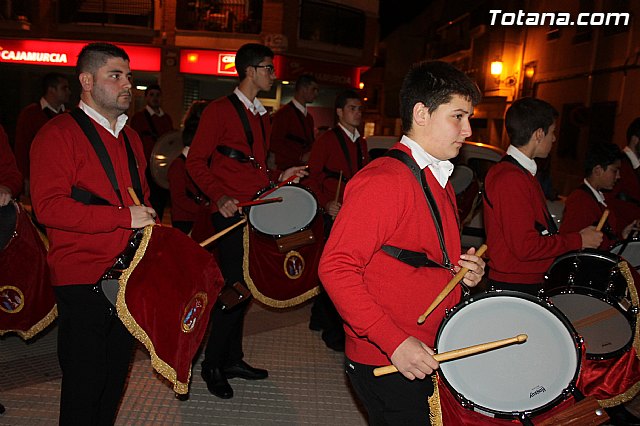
<point x="379" y="295"/>
<point x="227" y="161"/>
<point x="11" y="180"/>
<point x="89" y="221"/>
<point x="292" y="131"/>
<point x="186" y="198"/>
<point x="335" y="158"/>
<point x="151" y="123"/>
<point x="55" y="94"/>
<point x="624" y="198"/>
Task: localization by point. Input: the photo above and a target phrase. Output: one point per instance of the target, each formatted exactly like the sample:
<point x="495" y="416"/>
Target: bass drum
<point x="519" y="380"/>
<point x="168" y="147"/>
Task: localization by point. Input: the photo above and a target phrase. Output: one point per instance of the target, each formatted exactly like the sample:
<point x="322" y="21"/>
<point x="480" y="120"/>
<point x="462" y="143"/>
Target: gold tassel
<point x="435" y="410"/>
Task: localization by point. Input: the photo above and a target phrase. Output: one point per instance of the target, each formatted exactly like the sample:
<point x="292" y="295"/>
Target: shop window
<point x="114" y="12"/>
<point x="234" y="16"/>
<point x="332" y="23"/>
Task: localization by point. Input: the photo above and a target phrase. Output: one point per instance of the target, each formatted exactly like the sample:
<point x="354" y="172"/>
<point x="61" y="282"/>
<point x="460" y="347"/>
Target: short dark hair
<point x="601" y="154"/>
<point x="94" y="55"/>
<point x="525" y="116"/>
<point x="151" y="87"/>
<point x="344" y="96"/>
<point x="433" y="83"/>
<point x="250" y="54"/>
<point x="305" y="80"/>
<point x="191" y="120"/>
<point x="52" y="79"/>
<point x="633" y="129"/>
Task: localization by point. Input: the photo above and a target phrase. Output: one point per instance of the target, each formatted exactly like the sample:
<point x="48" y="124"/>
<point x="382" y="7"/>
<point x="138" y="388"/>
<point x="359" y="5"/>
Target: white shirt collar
<point x="44" y="104"/>
<point x="352" y="136"/>
<point x="635" y="162"/>
<point x="302" y="108"/>
<point x="101" y="120"/>
<point x="153" y="112"/>
<point x="521" y="158"/>
<point x="441" y="169"/>
<point x="185" y="151"/>
<point x="599" y="195"/>
<point x="255" y="107"/>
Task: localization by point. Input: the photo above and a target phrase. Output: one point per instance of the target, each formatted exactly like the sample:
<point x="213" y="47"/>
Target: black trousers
<point x="158" y="196"/>
<point x="94" y="351"/>
<point x="224" y="347"/>
<point x="392" y="399"/>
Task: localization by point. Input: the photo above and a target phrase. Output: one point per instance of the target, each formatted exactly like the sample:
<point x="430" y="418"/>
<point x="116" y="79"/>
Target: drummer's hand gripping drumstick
<point x="450" y="286"/>
<point x="603" y="219"/>
<point x="280" y="185"/>
<point x="459" y="353"/>
<point x="221" y="233"/>
<point x="260" y="201"/>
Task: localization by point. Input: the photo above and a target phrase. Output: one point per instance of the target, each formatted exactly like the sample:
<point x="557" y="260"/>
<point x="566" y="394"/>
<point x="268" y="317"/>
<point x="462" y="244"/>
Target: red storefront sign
<point x="65" y="54"/>
<point x="212" y="62"/>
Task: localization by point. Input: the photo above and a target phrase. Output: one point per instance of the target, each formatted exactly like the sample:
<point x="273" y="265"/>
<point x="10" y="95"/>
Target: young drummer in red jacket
<point x="522" y="236"/>
<point x="586" y="204"/>
<point x="379" y="297"/>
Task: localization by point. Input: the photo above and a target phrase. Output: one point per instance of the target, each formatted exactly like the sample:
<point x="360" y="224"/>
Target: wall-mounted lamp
<point x="361" y="85"/>
<point x="496" y="68"/>
<point x="529" y="71"/>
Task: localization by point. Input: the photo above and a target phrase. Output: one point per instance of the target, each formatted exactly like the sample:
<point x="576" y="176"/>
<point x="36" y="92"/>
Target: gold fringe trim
<point x="37" y="327"/>
<point x="633" y="293"/>
<point x="435" y="410"/>
<point x="274" y="303"/>
<point x="134" y="328"/>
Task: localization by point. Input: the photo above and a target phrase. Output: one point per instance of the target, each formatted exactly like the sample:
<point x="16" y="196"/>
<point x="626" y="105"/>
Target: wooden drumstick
<point x="221" y="233"/>
<point x="603" y="219"/>
<point x="259" y="201"/>
<point x="450" y="286"/>
<point x="134" y="197"/>
<point x="459" y="353"/>
<point x="338" y="189"/>
<point x="281" y="184"/>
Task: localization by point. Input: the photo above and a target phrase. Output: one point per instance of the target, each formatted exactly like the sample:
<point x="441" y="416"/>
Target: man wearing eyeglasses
<point x="227" y="161"/>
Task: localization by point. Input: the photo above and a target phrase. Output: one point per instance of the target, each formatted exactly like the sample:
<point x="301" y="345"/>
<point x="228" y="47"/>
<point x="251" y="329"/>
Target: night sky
<point x="394" y="13"/>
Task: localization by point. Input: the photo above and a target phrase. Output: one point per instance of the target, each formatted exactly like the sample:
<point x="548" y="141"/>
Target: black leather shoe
<point x="244" y="371"/>
<point x="217" y="382"/>
<point x="621" y="417"/>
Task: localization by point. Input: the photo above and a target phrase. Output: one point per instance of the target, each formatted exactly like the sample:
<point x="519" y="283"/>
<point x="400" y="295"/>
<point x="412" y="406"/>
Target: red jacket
<point x="84" y="239"/>
<point x="182" y="189"/>
<point x="581" y="209"/>
<point x="379" y="297"/>
<point x="327" y="160"/>
<point x="10" y="176"/>
<point x="628" y="187"/>
<point x="220" y="125"/>
<point x="291" y="136"/>
<point x="514" y="203"/>
<point x="30" y="120"/>
<point x="140" y="124"/>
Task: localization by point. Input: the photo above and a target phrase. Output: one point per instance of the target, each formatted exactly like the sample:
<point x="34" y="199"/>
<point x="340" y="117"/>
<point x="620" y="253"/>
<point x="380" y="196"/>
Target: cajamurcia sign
<point x="24" y="56"/>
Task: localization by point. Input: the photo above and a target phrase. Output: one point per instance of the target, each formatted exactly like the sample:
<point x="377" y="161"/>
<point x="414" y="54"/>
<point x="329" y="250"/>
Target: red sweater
<point x="518" y="254"/>
<point x="291" y="136"/>
<point x="183" y="206"/>
<point x="327" y="154"/>
<point x="30" y="120"/>
<point x="581" y="209"/>
<point x="380" y="297"/>
<point x="10" y="176"/>
<point x="628" y="186"/>
<point x="84" y="239"/>
<point x="221" y="125"/>
<point x="140" y="124"/>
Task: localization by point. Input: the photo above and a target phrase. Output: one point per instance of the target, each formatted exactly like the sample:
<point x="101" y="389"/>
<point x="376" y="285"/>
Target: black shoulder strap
<point x="91" y="133"/>
<point x="242" y="113"/>
<point x="431" y="202"/>
<point x="345" y="150"/>
<point x="152" y="127"/>
<point x="308" y="138"/>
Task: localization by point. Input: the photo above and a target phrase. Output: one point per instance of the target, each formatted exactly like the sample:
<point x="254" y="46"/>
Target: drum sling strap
<point x="308" y="139"/>
<point x="551" y="228"/>
<point x="152" y="128"/>
<point x="413" y="258"/>
<point x="343" y="145"/>
<point x="242" y="114"/>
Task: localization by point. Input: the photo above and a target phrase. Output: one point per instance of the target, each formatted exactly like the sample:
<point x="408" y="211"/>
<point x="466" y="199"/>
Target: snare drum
<point x="515" y="381"/>
<point x="629" y="250"/>
<point x="588" y="287"/>
<point x="294" y="213"/>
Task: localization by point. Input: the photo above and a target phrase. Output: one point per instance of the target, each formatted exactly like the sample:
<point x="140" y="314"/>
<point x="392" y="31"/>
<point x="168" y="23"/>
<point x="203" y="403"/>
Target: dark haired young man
<point x="624" y="198"/>
<point x="386" y="212"/>
<point x="522" y="236"/>
<point x="227" y="160"/>
<point x="293" y="129"/>
<point x="88" y="224"/>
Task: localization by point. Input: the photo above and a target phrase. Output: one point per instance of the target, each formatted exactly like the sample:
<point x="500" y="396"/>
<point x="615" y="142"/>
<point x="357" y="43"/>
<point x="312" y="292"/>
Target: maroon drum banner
<point x="282" y="279"/>
<point x="165" y="299"/>
<point x="27" y="301"/>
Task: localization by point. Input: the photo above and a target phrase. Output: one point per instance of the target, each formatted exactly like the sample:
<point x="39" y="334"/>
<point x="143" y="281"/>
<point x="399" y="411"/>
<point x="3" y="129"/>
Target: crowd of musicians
<point x="391" y="225"/>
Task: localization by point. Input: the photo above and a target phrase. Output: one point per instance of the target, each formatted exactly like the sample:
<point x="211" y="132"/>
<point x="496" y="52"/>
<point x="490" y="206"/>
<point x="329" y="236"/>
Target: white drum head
<point x="517" y="378"/>
<point x="296" y="211"/>
<point x="631" y="253"/>
<point x="603" y="328"/>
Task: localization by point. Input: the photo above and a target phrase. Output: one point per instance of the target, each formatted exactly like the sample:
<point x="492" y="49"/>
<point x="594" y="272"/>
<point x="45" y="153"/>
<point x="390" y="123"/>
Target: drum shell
<point x="572" y="350"/>
<point x="630" y="250"/>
